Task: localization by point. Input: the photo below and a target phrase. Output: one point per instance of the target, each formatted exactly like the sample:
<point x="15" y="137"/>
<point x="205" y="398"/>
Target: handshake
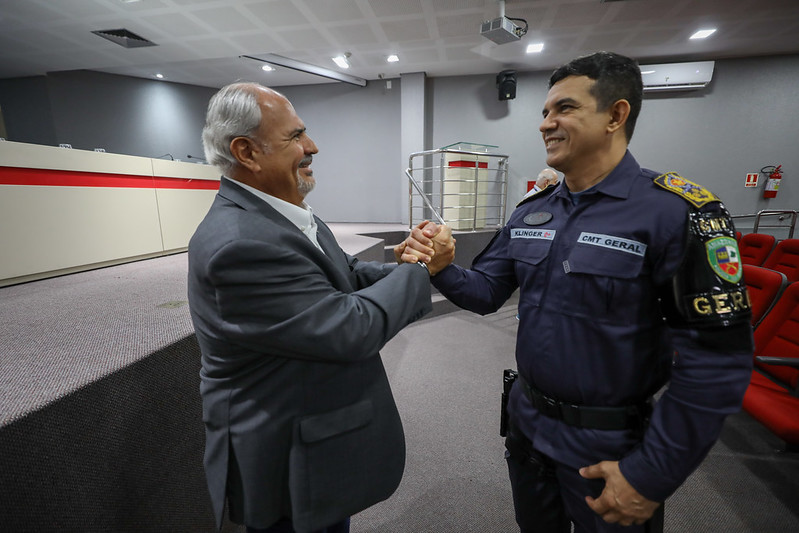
<point x="429" y="243"/>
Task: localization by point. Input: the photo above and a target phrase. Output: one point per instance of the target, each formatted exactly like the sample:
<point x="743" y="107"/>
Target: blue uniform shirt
<point x="591" y="330"/>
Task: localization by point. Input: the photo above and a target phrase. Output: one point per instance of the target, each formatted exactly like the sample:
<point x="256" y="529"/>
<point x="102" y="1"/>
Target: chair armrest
<point x="779" y="361"/>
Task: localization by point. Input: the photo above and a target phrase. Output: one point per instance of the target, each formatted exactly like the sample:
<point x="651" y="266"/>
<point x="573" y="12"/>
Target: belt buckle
<point x="551" y="407"/>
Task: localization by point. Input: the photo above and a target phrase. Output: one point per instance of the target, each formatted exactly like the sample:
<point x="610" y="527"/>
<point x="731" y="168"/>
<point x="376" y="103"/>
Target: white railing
<point x="465" y="189"/>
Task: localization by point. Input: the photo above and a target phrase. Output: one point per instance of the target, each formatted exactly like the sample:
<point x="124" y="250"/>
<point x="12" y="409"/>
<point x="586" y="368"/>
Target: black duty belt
<point x="582" y="416"/>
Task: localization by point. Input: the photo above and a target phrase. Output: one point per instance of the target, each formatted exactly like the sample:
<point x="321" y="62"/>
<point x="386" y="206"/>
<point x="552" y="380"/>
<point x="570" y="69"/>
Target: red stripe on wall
<point x="467" y="164"/>
<point x="69" y="178"/>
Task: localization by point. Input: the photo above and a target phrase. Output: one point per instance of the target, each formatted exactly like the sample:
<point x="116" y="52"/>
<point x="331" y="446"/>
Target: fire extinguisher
<point x="773" y="181"/>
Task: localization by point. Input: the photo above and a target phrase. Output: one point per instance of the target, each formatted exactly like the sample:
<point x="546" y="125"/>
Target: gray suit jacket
<point x="300" y="420"/>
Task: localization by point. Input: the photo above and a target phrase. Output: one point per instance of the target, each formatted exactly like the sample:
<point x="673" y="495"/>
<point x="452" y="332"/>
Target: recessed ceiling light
<point x="534" y="48"/>
<point x="393" y="58"/>
<point x="702" y="34"/>
<point x="341" y="61"/>
<point x="267" y="68"/>
<point x="647" y="72"/>
<point x="159" y="76"/>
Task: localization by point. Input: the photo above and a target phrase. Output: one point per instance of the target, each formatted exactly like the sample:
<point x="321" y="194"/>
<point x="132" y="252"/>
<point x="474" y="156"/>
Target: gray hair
<point x="232" y="112"/>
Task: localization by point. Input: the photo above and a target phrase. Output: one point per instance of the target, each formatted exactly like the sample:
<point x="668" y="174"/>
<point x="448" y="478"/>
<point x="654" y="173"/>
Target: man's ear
<point x="242" y="149"/>
<point x="619" y="112"/>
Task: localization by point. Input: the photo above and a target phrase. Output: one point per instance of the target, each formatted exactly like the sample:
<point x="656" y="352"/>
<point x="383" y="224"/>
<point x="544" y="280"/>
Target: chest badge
<point x="538" y="218"/>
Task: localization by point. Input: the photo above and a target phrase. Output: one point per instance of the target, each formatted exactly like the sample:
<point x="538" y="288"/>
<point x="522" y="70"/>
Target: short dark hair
<point x="617" y="77"/>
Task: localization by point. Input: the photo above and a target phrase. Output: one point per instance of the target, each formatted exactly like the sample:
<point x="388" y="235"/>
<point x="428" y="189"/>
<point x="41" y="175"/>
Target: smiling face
<point x="575" y="133"/>
<point x="282" y="150"/>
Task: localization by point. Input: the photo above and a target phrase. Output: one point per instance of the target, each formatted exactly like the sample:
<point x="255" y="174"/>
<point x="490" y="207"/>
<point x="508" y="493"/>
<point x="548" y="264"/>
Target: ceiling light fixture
<point x="341" y="60"/>
<point x="703" y="34"/>
<point x="393" y="58"/>
<point x="159" y="76"/>
<point x="535" y="48"/>
<point x="301" y="66"/>
<point x="267" y="68"/>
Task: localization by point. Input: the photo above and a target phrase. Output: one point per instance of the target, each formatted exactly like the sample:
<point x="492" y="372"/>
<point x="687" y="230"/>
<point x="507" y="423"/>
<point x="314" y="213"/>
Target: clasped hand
<point x="619" y="501"/>
<point x="430" y="243"/>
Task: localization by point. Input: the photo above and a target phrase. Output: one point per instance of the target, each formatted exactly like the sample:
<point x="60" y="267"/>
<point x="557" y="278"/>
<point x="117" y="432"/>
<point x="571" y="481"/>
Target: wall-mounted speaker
<point x="506" y="84"/>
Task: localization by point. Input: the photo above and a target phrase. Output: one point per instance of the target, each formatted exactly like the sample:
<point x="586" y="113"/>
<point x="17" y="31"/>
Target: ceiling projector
<point x="501" y="30"/>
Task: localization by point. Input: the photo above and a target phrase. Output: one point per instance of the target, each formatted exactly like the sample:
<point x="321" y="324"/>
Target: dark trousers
<point x="548" y="496"/>
<point x="285" y="526"/>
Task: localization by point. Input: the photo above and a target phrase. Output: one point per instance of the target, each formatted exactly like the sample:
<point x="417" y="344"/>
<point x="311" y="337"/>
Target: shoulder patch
<point x="690" y="191"/>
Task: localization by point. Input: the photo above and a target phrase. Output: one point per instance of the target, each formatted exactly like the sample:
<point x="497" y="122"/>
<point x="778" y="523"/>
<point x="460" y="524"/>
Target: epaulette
<point x="687" y="189"/>
<point x="539" y="194"/>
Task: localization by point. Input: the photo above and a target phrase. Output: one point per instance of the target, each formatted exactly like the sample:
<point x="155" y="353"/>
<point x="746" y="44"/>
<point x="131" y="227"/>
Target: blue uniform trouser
<point x="548" y="495"/>
<point x="285" y="526"/>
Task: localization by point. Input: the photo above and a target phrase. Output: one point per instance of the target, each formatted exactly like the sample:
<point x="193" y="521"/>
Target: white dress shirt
<point x="302" y="217"/>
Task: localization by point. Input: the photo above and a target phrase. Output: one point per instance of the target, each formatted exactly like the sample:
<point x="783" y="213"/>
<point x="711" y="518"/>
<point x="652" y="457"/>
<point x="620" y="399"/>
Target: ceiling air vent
<point x="124" y="37"/>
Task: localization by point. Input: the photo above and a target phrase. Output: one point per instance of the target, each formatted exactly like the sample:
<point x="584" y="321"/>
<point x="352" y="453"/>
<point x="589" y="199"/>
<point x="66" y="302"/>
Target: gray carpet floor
<point x="446" y="373"/>
<point x="64" y="333"/>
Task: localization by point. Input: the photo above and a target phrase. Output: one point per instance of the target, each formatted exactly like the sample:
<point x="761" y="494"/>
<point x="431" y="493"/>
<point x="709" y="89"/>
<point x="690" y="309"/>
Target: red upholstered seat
<point x="755" y="247"/>
<point x="778" y="336"/>
<point x="775" y="402"/>
<point x="775" y="409"/>
<point x="785" y="259"/>
<point x="765" y="287"/>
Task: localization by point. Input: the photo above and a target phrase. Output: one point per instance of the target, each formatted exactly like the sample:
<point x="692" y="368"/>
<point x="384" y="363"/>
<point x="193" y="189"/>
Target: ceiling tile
<point x="567" y="16"/>
<point x="334" y="10"/>
<point x="303" y="39"/>
<point x="451" y="5"/>
<point x="388" y="8"/>
<point x="255" y="43"/>
<point x="406" y="30"/>
<point x="224" y="19"/>
<point x="458" y="25"/>
<point x="354" y="33"/>
<point x="277" y="13"/>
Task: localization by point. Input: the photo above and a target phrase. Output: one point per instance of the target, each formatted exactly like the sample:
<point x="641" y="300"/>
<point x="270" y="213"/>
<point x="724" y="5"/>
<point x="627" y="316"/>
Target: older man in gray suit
<point x="301" y="427"/>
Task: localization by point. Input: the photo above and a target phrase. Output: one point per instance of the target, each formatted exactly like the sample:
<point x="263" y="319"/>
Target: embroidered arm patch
<point x="690" y="191"/>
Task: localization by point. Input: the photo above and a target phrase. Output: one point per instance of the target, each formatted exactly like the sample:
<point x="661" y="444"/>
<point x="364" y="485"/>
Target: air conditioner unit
<point x="677" y="76"/>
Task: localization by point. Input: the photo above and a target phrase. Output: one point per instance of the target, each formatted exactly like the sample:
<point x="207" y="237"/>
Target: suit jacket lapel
<point x="331" y="248"/>
<point x="332" y="251"/>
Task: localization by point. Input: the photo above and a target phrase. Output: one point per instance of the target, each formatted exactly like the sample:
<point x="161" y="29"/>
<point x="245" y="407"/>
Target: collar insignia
<point x="538" y="218"/>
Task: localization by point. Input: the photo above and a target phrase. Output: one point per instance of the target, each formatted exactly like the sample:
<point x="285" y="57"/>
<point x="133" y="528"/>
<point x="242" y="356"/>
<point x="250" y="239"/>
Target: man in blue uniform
<point x="628" y="280"/>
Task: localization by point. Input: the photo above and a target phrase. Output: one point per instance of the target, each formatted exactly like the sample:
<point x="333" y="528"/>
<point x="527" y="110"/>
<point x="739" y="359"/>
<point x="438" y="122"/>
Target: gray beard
<point x="305" y="186"/>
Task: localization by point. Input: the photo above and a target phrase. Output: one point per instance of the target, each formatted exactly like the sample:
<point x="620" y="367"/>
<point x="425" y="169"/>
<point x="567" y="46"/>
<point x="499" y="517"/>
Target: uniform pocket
<point x="604" y="284"/>
<point x="529" y="250"/>
<point x="598" y="261"/>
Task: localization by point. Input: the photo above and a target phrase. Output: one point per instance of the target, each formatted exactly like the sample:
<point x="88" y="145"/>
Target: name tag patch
<point x="524" y="233"/>
<point x="614" y="243"/>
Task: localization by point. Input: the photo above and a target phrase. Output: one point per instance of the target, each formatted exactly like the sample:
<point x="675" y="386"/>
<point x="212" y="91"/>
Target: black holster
<point x="508" y="377"/>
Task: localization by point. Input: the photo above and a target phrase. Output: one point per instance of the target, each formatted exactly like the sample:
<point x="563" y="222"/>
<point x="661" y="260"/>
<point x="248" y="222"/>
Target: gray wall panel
<point x="357" y="130"/>
<point x="747" y="118"/>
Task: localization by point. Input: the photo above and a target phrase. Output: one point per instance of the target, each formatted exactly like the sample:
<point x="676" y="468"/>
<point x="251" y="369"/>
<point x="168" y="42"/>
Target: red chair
<point x="755" y="247"/>
<point x="773" y="394"/>
<point x="765" y="287"/>
<point x="785" y="259"/>
<point x="738" y="236"/>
